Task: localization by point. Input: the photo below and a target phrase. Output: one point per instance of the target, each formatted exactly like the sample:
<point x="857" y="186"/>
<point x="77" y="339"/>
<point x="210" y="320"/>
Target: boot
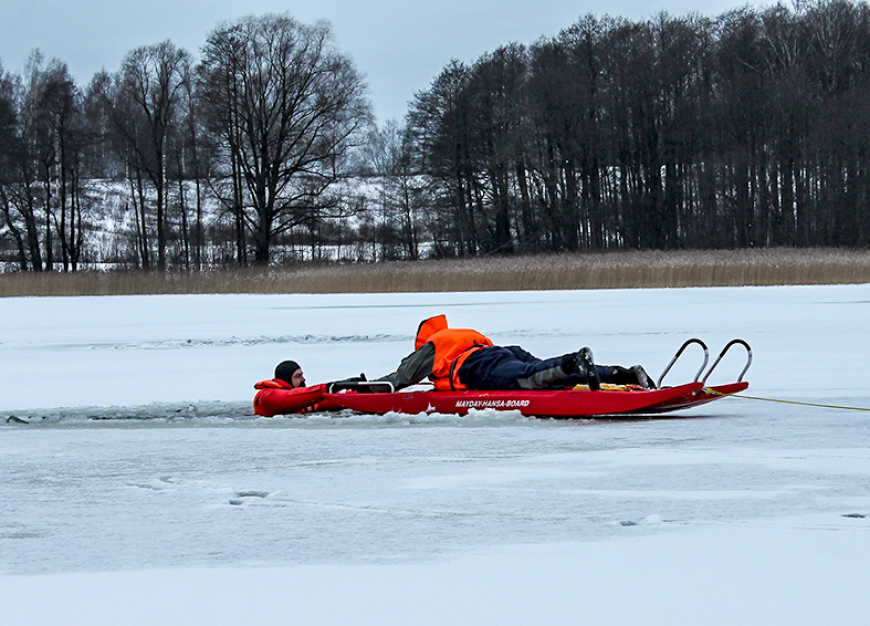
<point x="582" y="363"/>
<point x="643" y="379"/>
<point x="619" y="375"/>
<point x="634" y="375"/>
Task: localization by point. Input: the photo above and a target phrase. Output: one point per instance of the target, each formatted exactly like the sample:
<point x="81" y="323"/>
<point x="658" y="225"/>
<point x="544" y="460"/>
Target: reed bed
<point x="618" y="270"/>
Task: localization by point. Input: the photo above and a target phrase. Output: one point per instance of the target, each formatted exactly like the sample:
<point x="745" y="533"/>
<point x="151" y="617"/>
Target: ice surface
<point x="138" y="487"/>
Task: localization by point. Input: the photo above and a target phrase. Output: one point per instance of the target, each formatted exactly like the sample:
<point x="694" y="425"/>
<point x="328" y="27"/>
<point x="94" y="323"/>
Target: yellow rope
<point x="821" y="406"/>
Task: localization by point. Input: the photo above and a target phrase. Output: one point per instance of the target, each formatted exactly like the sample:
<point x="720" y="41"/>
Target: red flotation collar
<point x="278" y="397"/>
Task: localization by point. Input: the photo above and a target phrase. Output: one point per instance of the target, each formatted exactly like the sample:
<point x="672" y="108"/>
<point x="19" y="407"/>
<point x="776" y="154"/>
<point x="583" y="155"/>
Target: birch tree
<point x="143" y="103"/>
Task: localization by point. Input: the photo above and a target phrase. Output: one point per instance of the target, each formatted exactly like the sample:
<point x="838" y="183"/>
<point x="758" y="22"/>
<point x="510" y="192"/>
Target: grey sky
<point x="400" y="45"/>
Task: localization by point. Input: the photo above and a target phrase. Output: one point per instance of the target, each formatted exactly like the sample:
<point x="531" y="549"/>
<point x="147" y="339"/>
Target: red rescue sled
<point x="378" y="397"/>
<point x="562" y="403"/>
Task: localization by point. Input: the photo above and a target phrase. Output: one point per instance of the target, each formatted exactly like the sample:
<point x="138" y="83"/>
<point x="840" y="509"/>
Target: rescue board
<point x="556" y="403"/>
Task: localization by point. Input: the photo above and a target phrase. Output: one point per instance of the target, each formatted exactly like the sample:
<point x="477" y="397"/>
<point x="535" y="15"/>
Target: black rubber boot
<point x="582" y="363"/>
<point x="643" y="379"/>
<point x="634" y="375"/>
<point x="621" y="376"/>
<point x="590" y="370"/>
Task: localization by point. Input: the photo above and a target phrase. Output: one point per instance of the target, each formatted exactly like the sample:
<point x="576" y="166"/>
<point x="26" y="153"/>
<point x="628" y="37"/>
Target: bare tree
<point x="439" y="123"/>
<point x="287" y="107"/>
<point x="10" y="156"/>
<point x="22" y="192"/>
<point x="388" y="155"/>
<point x="59" y="139"/>
<point x="143" y="104"/>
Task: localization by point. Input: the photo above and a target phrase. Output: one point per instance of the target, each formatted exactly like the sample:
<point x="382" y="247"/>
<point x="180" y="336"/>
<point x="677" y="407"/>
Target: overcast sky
<point x="399" y="45"/>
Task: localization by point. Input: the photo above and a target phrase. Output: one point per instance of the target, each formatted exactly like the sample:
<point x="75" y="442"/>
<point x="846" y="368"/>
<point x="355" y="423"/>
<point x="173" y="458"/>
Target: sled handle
<point x="372" y="386"/>
<point x="677" y="356"/>
<point x="722" y="354"/>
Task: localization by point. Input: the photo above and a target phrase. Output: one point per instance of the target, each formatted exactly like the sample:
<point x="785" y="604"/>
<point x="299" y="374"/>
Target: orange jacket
<point x="452" y="347"/>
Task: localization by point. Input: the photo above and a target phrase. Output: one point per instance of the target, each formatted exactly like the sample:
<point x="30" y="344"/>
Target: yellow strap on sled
<point x="607" y="387"/>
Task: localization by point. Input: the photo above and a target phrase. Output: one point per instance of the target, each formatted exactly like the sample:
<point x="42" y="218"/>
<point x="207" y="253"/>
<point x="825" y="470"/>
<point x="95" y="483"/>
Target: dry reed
<point x="618" y="270"/>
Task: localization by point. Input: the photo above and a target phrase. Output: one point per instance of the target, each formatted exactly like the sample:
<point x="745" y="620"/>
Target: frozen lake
<point x="139" y="471"/>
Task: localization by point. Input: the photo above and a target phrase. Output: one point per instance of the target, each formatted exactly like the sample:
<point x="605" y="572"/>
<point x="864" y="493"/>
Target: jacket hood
<point x="429" y="327"/>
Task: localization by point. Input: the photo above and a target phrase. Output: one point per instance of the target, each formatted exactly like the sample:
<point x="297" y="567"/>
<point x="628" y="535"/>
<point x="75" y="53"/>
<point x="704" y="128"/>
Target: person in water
<point x="462" y="358"/>
<point x="286" y="388"/>
<point x="287" y="392"/>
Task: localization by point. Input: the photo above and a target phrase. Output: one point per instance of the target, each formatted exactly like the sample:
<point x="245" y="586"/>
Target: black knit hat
<point x="285" y="371"/>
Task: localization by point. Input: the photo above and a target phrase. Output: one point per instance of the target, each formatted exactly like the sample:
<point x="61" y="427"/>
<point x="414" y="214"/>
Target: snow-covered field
<point x="137" y="487"/>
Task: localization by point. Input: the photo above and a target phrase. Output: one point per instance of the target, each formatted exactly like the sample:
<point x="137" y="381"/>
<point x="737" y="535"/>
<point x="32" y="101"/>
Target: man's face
<point x="298" y="378"/>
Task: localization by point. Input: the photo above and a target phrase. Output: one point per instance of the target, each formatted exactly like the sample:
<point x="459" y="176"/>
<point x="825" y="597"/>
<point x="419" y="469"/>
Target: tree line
<point x="751" y="129"/>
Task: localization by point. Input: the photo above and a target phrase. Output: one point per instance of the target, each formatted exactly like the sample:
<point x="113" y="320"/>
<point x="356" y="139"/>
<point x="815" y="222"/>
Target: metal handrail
<point x="685" y="345"/>
<point x="722" y="354"/>
<point x="389" y="387"/>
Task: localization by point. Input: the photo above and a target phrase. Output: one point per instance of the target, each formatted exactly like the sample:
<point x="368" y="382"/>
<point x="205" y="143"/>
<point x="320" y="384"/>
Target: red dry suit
<point x="276" y="396"/>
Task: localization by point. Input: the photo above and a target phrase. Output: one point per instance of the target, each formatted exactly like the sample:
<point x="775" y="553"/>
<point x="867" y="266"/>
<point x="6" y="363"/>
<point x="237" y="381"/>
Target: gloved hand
<point x="360" y="384"/>
<point x="346" y="383"/>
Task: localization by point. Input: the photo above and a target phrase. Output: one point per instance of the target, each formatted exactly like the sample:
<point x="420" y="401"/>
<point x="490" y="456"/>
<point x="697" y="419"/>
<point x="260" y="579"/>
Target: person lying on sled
<point x="462" y="358"/>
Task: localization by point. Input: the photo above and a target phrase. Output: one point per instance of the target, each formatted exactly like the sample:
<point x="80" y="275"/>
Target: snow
<point x="140" y="488"/>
